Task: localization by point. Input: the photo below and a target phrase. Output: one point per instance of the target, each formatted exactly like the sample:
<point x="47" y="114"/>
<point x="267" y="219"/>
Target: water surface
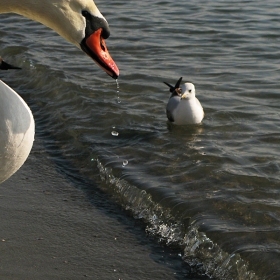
<point x="212" y="189"/>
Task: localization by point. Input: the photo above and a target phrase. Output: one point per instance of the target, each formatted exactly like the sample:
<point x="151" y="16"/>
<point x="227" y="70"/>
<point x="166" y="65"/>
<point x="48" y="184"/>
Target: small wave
<point x="203" y="255"/>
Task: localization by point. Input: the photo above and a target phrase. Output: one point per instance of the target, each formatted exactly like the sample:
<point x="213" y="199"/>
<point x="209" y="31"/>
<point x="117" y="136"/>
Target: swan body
<point x="183" y="107"/>
<point x="16" y="133"/>
<point x="79" y="22"/>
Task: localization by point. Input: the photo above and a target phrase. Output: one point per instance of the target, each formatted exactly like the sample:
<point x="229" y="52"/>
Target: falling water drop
<point x="125" y="163"/>
<point x="115" y="133"/>
<point x="118" y="92"/>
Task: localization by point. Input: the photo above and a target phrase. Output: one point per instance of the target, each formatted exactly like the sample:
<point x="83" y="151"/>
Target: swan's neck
<point x="53" y="14"/>
<point x="28" y="8"/>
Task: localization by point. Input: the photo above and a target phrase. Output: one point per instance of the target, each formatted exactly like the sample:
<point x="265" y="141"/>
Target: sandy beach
<point x="51" y="230"/>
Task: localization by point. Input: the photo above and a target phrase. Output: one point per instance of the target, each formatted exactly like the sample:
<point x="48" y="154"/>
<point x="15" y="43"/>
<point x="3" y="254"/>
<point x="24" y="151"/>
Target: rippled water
<point x="211" y="189"/>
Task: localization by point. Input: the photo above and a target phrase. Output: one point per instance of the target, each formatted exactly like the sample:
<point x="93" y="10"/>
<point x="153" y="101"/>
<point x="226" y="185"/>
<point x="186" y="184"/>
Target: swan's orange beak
<point x="97" y="50"/>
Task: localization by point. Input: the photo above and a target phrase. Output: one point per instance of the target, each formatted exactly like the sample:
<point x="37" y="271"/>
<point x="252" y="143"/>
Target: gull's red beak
<point x="96" y="48"/>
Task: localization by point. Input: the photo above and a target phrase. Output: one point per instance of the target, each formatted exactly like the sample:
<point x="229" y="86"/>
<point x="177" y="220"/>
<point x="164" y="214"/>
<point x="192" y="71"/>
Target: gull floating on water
<point x="183" y="107"/>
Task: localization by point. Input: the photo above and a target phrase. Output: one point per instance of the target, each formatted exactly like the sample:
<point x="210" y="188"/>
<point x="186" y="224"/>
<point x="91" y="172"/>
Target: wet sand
<point x="51" y="230"/>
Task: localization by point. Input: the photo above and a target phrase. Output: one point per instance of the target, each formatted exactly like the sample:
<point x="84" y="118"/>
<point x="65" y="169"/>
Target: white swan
<point x="79" y="22"/>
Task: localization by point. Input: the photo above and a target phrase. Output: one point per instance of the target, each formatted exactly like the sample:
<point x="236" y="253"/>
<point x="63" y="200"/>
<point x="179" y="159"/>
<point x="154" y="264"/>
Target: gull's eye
<point x="190" y="90"/>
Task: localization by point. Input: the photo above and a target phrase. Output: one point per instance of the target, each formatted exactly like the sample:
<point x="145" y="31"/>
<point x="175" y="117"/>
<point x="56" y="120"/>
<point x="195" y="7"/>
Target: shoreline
<point x="51" y="230"/>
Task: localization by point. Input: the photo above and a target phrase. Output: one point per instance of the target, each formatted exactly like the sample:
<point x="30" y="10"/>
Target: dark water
<point x="211" y="190"/>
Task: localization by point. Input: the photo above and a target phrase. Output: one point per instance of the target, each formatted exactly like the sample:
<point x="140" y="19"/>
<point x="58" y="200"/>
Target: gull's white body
<point x="16" y="120"/>
<point x="185" y="109"/>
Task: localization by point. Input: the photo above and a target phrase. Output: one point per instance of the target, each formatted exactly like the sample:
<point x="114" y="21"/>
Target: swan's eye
<point x="86" y="14"/>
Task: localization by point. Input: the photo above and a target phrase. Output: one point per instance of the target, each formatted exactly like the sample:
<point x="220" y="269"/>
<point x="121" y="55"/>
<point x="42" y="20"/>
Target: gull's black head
<point x="176" y="90"/>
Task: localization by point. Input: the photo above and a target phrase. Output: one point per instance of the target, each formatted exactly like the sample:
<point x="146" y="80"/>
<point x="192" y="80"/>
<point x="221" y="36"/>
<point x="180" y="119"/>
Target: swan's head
<point x="79" y="22"/>
<point x="89" y="31"/>
<point x="188" y="91"/>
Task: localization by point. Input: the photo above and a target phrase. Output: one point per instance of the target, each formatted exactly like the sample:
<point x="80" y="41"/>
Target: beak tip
<point x="115" y="76"/>
<point x="115" y="72"/>
<point x="97" y="50"/>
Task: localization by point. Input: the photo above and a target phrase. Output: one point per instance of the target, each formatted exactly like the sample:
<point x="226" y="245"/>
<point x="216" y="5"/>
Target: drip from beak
<point x="95" y="47"/>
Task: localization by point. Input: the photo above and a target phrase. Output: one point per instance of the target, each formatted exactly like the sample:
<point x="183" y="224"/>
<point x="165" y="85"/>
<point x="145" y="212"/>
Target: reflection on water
<point x="211" y="189"/>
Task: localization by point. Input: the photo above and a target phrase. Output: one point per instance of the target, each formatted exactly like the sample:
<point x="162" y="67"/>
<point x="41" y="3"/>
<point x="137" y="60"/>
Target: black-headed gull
<point x="183" y="107"/>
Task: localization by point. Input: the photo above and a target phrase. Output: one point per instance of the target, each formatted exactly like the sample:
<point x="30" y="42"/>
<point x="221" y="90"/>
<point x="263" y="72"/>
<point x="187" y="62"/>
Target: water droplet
<point x="125" y="163"/>
<point x="118" y="92"/>
<point x="117" y="82"/>
<point x="92" y="159"/>
<point x="115" y="133"/>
